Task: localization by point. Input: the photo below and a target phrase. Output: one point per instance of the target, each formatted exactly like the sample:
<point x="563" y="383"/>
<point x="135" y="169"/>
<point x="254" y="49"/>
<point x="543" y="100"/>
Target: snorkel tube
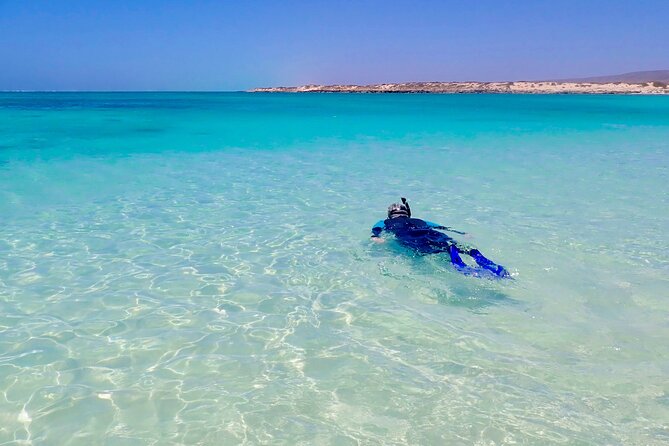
<point x="406" y="203"/>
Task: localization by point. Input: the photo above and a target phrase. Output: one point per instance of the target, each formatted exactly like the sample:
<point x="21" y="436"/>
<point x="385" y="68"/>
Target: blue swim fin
<point x="488" y="269"/>
<point x="456" y="260"/>
<point x="488" y="264"/>
<point x="461" y="266"/>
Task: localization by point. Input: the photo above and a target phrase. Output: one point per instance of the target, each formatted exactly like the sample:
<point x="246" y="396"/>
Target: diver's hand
<point x="378" y="240"/>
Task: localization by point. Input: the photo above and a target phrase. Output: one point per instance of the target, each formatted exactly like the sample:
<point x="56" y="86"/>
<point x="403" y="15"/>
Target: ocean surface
<point x="182" y="268"/>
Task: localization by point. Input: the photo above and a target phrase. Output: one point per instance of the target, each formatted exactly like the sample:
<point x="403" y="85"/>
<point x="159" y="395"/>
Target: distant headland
<point x="640" y="82"/>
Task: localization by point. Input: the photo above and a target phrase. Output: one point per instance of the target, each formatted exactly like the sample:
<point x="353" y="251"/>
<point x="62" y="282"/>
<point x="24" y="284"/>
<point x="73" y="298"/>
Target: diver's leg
<point x="440" y="242"/>
<point x="488" y="264"/>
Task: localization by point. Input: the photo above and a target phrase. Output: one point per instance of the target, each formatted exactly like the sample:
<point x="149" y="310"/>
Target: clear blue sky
<point x="232" y="45"/>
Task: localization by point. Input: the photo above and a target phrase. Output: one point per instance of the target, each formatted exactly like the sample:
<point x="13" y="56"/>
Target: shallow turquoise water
<point x="196" y="269"/>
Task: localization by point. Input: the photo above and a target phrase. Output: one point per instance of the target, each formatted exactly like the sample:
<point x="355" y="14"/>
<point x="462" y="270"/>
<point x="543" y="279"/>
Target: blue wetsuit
<point x="422" y="236"/>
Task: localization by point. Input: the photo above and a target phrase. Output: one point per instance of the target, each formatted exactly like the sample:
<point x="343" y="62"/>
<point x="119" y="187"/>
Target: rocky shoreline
<point x="519" y="87"/>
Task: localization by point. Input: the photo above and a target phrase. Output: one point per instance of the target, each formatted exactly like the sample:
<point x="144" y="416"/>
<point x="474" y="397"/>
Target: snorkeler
<point x="422" y="236"/>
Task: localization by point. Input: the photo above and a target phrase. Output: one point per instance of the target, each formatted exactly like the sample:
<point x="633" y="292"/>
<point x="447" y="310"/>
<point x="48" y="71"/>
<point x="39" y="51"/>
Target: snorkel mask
<point x="399" y="210"/>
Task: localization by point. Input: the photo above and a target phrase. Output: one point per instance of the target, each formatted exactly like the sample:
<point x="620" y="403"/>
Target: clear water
<point x="196" y="269"/>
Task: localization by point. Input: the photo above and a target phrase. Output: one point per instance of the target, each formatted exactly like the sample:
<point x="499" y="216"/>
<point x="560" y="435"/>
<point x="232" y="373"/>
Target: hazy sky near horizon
<point x="233" y="45"/>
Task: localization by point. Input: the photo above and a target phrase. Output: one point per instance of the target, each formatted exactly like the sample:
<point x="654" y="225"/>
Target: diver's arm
<point x="445" y="228"/>
<point x="378" y="228"/>
<point x="434" y="225"/>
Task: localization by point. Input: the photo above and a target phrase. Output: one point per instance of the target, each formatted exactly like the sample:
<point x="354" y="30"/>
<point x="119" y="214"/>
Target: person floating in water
<point x="423" y="237"/>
